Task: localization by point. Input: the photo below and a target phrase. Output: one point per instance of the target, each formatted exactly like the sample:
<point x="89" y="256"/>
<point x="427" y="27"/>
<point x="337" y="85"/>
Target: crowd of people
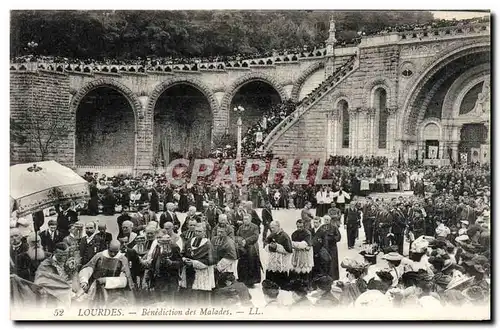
<point x="304" y="51"/>
<point x="151" y="62"/>
<point x="214" y="256"/>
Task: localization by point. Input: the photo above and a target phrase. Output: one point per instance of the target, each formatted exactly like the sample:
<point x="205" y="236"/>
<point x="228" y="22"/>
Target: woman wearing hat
<point x="396" y="269"/>
<point x="355" y="284"/>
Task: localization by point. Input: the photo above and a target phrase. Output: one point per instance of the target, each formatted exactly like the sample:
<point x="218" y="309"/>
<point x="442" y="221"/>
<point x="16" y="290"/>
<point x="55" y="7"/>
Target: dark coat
<point x="65" y="219"/>
<point x="166" y="217"/>
<point x="47" y="242"/>
<point x="89" y="250"/>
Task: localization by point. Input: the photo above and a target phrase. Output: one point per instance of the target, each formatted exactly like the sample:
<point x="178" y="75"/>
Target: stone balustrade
<point x="168" y="68"/>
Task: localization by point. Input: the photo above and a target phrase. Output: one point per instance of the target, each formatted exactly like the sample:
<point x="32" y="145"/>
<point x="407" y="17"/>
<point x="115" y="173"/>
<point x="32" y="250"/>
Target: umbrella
<point x="34" y="187"/>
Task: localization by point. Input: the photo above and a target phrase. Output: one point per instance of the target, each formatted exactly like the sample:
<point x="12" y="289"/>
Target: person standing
<point x="267" y="218"/>
<point x="51" y="236"/>
<point x="164" y="270"/>
<point x="369" y="214"/>
<point x="255" y="217"/>
<point x="279" y="247"/>
<point x="325" y="249"/>
<point x="224" y="253"/>
<point x="249" y="260"/>
<point x="398" y="227"/>
<point x="302" y="257"/>
<point x="352" y="224"/>
<point x="170" y="216"/>
<point x="320" y="200"/>
<point x="197" y="275"/>
<point x="342" y="198"/>
<point x="90" y="244"/>
<point x="307" y="216"/>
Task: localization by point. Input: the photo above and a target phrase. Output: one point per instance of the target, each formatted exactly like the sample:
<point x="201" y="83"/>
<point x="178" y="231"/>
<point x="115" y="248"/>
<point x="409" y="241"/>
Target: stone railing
<point x="168" y="68"/>
<point x="327" y="85"/>
<point x="107" y="170"/>
<point x="444" y="32"/>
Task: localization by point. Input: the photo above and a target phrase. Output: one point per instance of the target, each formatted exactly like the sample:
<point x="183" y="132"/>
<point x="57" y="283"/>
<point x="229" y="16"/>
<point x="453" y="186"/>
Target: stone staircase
<point x="312" y="98"/>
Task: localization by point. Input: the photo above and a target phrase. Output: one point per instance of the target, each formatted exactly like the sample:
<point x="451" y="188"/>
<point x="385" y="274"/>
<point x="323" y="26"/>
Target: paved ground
<point x="287" y="218"/>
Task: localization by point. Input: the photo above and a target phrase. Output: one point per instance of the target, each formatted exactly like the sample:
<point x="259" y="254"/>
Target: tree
<point x="39" y="132"/>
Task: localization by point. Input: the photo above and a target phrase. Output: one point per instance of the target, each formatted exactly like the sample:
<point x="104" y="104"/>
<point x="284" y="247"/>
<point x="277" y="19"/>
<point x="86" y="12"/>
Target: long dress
<point x="249" y="260"/>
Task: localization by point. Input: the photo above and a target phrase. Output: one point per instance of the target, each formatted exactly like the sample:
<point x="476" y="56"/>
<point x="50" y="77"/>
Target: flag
<point x="475" y="152"/>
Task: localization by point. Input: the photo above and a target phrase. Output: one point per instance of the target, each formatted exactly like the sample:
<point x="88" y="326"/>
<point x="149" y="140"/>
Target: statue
<point x="483" y="99"/>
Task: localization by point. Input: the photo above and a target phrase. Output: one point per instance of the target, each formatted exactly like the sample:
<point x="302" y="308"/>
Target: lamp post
<point x="239" y="110"/>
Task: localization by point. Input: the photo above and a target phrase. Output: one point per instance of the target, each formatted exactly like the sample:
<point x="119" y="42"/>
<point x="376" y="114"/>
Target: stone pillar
<point x="352" y="132"/>
<point x="328" y="135"/>
<point x="371" y="112"/>
<point x="391" y="133"/>
<point x="454" y="150"/>
<point x="334" y="117"/>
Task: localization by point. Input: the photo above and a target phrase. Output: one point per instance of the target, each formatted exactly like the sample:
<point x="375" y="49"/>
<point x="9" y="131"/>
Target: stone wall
<point x="45" y="96"/>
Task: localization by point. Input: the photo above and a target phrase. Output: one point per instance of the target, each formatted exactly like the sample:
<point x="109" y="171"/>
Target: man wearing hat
<point x="271" y="291"/>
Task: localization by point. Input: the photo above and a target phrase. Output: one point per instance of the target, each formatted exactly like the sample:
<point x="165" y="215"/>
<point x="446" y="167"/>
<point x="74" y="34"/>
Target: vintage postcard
<point x="250" y="165"/>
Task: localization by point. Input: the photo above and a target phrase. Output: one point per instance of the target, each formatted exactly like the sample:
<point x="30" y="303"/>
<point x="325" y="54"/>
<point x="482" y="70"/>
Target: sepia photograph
<point x="254" y="165"/>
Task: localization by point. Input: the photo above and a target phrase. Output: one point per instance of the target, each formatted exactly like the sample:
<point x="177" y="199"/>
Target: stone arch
<point x="437" y="63"/>
<point x="235" y="86"/>
<point x="302" y="78"/>
<point x="427" y="122"/>
<point x="373" y="85"/>
<point x="107" y="82"/>
<point x="432" y="92"/>
<point x="340" y="97"/>
<point x="196" y="83"/>
<point x="129" y="95"/>
<point x="458" y="84"/>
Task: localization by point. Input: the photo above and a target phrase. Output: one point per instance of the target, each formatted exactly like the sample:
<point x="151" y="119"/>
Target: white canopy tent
<point x="36" y="186"/>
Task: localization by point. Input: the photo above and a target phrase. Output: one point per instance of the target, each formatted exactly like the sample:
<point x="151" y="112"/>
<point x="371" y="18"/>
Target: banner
<point x="474" y="152"/>
<point x="485" y="153"/>
<point x="433" y="151"/>
<point x="463" y="157"/>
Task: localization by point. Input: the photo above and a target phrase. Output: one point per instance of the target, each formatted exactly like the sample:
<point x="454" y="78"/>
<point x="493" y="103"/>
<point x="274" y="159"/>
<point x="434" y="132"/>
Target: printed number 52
<point x="58" y="312"/>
